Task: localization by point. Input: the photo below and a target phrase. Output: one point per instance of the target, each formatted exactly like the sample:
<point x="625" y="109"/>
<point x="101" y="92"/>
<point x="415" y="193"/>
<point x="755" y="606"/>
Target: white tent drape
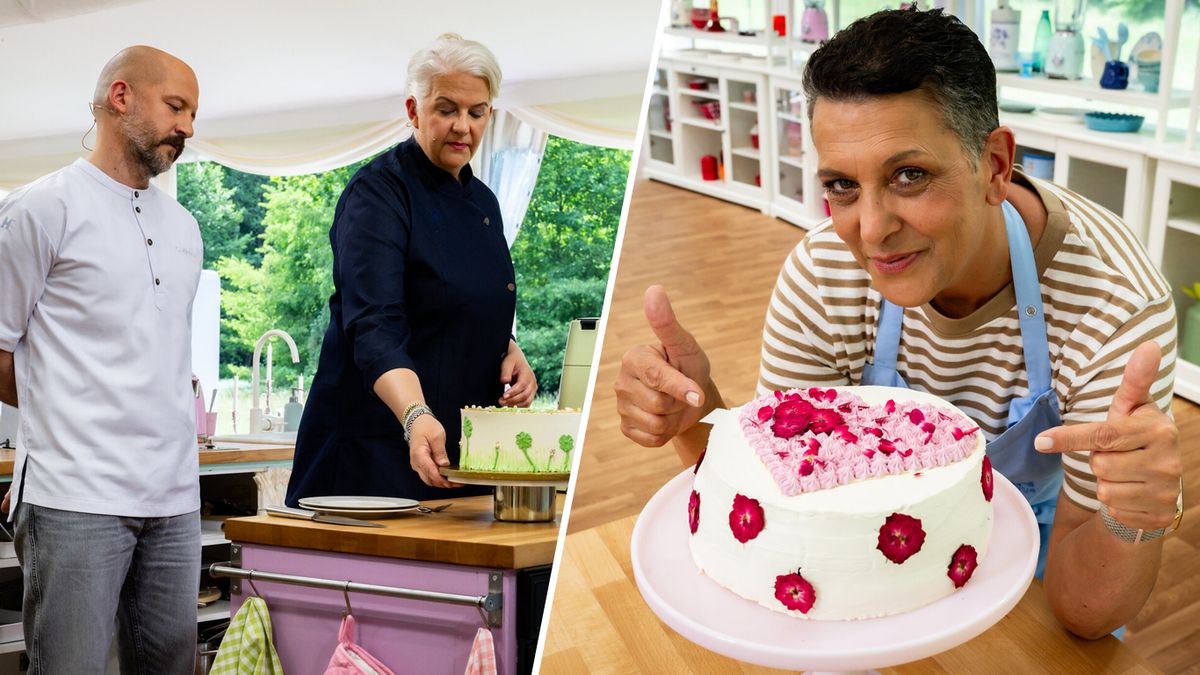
<point x="607" y="122"/>
<point x="509" y="159"/>
<point x="298" y="152"/>
<point x="315" y="141"/>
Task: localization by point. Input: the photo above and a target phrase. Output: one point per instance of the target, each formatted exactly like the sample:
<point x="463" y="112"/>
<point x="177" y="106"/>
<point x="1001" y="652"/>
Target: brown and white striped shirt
<point x="1102" y="298"/>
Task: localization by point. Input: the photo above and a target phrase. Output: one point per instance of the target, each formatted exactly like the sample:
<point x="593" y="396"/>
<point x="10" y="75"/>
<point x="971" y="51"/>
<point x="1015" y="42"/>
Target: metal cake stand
<point x="519" y="497"/>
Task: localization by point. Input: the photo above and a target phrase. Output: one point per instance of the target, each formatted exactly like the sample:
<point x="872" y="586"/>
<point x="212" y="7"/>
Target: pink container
<point x="711" y="110"/>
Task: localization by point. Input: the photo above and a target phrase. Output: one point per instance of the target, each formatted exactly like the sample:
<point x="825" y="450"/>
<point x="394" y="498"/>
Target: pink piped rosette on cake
<point x="842" y="503"/>
<point x="821" y="438"/>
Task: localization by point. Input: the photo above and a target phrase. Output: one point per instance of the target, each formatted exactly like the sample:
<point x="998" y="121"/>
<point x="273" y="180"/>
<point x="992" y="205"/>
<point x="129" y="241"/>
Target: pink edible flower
<point x="794" y="408"/>
<point x="962" y="565"/>
<point x="877" y="433"/>
<point x="960" y="433"/>
<point x="986" y="479"/>
<point x="806" y="467"/>
<point x="795" y="592"/>
<point x="825" y="420"/>
<point x="916" y="416"/>
<point x="890" y="407"/>
<point x="746" y="519"/>
<point x="814" y="446"/>
<point x="792" y="417"/>
<point x="900" y="538"/>
<point x="765" y="413"/>
<point x="886" y="446"/>
<point x="694" y="511"/>
<point x="786" y="427"/>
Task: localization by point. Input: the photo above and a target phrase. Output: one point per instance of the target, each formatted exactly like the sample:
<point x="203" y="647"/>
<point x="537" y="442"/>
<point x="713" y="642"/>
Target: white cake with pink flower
<point x="846" y="503"/>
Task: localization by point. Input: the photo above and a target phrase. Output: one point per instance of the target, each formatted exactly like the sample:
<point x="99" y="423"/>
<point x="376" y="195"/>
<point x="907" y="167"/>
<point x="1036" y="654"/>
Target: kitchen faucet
<point x="259" y="422"/>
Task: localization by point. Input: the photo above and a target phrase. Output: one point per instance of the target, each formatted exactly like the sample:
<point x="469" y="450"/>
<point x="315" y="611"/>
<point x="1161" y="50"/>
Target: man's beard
<point x="143" y="146"/>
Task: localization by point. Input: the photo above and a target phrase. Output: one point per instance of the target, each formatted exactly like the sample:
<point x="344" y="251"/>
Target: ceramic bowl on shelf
<point x="1068" y="115"/>
<point x="1015" y="106"/>
<point x="1118" y="122"/>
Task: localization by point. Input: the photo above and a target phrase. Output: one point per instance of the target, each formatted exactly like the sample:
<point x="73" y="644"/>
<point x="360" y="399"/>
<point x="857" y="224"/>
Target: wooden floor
<point x="718" y="263"/>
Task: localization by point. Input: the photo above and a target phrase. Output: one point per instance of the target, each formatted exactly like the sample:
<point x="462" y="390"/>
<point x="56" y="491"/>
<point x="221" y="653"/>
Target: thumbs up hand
<point x="664" y="389"/>
<point x="1135" y="451"/>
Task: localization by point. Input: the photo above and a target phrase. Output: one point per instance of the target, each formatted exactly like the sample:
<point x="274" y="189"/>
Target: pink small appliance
<point x="814" y="23"/>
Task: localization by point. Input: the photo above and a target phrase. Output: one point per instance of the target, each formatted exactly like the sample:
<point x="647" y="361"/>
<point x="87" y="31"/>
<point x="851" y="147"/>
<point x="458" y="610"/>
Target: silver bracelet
<point x="1124" y="532"/>
<point x="410" y="418"/>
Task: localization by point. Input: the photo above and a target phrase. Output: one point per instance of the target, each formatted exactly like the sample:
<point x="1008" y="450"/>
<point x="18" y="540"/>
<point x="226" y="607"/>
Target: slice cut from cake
<point x="846" y="503"/>
<point x="518" y="440"/>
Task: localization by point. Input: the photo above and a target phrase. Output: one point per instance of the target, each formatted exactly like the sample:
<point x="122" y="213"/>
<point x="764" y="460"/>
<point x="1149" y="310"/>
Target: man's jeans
<point x="81" y="568"/>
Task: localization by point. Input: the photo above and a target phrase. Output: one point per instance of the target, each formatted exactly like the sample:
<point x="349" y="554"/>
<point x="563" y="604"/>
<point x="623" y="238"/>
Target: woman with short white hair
<point x="423" y="303"/>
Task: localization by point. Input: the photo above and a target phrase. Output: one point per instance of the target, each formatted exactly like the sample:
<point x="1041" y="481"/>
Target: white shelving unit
<point x="681" y="141"/>
<point x="797" y="195"/>
<point x="1175" y="246"/>
<point x="1157" y="105"/>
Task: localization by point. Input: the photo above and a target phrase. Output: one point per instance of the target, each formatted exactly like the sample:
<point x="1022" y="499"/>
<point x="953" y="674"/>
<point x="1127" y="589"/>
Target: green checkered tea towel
<point x="247" y="648"/>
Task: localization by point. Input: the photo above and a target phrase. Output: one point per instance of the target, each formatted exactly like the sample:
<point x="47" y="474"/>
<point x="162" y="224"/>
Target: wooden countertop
<point x="225" y="453"/>
<point x="599" y="623"/>
<point x="464" y="534"/>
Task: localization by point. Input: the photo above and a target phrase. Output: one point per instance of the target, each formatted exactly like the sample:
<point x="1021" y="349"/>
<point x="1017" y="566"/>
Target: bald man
<point x="98" y="270"/>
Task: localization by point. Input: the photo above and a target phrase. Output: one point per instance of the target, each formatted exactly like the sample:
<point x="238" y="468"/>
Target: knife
<point x="304" y="514"/>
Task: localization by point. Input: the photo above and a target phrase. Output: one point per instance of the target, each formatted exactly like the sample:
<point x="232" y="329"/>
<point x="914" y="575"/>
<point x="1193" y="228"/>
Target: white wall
<point x="206" y="331"/>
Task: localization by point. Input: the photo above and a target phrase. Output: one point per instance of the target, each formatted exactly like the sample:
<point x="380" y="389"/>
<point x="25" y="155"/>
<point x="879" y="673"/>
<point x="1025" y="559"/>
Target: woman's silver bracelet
<point x="410" y="417"/>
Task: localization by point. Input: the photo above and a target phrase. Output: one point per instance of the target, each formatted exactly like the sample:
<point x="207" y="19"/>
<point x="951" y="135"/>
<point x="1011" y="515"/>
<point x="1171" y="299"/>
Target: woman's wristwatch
<point x="411" y="413"/>
<point x="1136" y="536"/>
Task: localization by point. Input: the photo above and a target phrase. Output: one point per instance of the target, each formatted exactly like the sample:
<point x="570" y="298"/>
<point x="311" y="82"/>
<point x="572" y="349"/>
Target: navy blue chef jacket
<point x="422" y="280"/>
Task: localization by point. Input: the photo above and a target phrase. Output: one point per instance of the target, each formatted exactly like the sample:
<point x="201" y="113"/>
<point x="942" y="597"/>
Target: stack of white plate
<point x="359" y="507"/>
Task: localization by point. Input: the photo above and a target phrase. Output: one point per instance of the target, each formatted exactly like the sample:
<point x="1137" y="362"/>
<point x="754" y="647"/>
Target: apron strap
<point x="887" y="337"/>
<point x="1029" y="302"/>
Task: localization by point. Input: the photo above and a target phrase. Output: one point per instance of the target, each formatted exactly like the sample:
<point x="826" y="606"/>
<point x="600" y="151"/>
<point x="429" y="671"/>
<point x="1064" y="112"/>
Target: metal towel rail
<point x="489" y="605"/>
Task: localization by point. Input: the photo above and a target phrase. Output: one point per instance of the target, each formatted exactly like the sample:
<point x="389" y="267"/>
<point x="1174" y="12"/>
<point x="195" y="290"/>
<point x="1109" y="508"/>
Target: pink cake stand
<point x="718" y="620"/>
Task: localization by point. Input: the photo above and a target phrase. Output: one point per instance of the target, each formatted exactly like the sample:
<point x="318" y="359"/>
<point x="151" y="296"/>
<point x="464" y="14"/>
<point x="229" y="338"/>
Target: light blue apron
<point x="1037" y="475"/>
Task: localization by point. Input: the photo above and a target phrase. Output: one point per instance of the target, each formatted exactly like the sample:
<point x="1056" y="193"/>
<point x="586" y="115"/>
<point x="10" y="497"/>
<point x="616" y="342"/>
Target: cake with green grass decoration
<point x="518" y="440"/>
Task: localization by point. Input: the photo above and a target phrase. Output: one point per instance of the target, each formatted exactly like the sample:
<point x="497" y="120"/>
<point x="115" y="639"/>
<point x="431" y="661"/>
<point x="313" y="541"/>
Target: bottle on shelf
<point x="714" y="18"/>
<point x="1041" y="41"/>
<point x="1005" y="37"/>
<point x="295" y="407"/>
